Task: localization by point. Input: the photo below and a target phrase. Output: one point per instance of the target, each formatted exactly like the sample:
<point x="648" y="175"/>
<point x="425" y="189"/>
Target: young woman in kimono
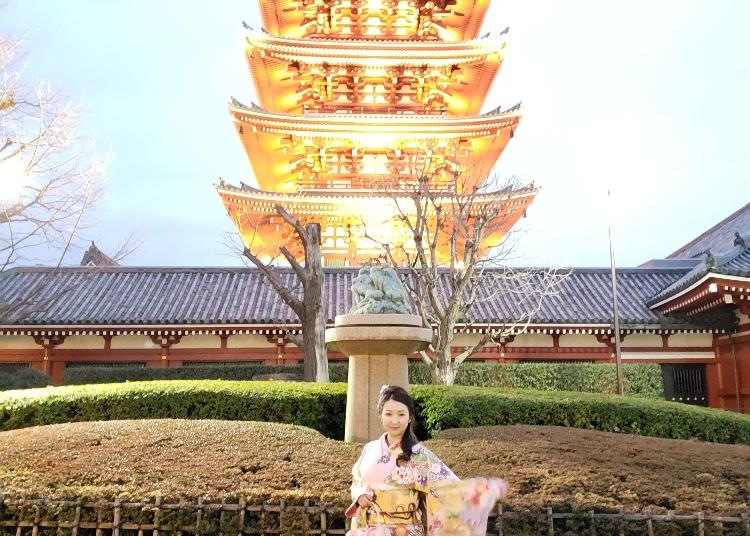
<point x="400" y="488"/>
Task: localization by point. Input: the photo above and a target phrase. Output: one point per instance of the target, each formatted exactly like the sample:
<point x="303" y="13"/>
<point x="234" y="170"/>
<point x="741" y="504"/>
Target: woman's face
<point x="395" y="418"/>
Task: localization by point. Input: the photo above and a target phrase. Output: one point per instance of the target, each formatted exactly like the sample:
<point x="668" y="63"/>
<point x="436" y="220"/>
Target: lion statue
<point x="378" y="290"/>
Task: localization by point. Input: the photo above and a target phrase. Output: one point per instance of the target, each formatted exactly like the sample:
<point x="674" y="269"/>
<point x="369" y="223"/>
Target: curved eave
<point x="248" y="196"/>
<point x="413" y="127"/>
<point x="284" y="18"/>
<point x="375" y="53"/>
<point x="279" y="89"/>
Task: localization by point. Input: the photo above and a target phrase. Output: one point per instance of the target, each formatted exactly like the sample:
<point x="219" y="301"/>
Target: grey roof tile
<point x="735" y="262"/>
<point x="176" y="296"/>
<point x="719" y="239"/>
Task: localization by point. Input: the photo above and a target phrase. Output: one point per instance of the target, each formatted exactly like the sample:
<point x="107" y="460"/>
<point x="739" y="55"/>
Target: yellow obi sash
<point x="396" y="506"/>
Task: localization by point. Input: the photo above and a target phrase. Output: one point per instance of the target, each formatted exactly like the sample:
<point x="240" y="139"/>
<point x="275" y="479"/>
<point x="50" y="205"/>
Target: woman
<point x="400" y="488"/>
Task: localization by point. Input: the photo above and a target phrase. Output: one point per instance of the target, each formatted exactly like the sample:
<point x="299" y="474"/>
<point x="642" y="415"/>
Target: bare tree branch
<point x="450" y="266"/>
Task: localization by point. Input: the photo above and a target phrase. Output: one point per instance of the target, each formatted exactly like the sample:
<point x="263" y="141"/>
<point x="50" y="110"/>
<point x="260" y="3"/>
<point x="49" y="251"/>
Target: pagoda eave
<point x="346" y="219"/>
<point x="412" y="126"/>
<point x="289" y="153"/>
<point x="289" y="78"/>
<point x="374" y="53"/>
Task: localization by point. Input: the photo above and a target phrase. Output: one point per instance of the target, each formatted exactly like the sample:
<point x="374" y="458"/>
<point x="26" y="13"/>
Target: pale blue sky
<point x="648" y="96"/>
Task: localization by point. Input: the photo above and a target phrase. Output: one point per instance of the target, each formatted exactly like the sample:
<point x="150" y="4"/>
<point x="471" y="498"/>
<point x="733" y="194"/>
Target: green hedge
<point x="318" y="406"/>
<point x="322" y="407"/>
<point x="23" y="378"/>
<point x="443" y="407"/>
<point x="640" y="379"/>
<point x="242" y="371"/>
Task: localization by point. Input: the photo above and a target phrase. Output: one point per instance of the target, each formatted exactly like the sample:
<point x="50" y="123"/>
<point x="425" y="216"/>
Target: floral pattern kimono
<point x="452" y="506"/>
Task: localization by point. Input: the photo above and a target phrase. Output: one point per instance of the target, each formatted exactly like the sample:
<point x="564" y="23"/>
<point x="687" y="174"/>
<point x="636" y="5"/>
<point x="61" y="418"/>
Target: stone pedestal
<point x="377" y="346"/>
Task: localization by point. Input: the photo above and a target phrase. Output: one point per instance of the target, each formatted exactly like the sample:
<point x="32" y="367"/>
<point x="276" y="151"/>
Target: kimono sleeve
<point x="429" y="470"/>
<point x="359" y="486"/>
<point x="454" y="506"/>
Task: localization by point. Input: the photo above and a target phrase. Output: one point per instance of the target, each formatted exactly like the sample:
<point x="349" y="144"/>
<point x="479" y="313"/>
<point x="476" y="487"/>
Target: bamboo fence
<point x="104" y="518"/>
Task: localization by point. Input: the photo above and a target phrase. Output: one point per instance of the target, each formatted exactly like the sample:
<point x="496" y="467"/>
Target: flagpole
<point x="615" y="310"/>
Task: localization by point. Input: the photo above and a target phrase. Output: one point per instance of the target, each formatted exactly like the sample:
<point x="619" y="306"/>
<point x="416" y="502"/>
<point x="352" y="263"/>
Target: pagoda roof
<point x="407" y="126"/>
<point x="246" y="191"/>
<point x="456" y="20"/>
<point x="375" y="53"/>
<point x="283" y="68"/>
<point x="719" y="239"/>
<point x="138" y="299"/>
<point x="274" y="142"/>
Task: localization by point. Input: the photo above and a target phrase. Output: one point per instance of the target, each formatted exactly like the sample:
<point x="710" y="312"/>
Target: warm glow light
<point x="13" y="178"/>
<point x="377" y="140"/>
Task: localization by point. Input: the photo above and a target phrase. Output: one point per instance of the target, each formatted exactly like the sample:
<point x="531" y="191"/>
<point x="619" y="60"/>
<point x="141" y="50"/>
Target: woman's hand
<point x="365" y="501"/>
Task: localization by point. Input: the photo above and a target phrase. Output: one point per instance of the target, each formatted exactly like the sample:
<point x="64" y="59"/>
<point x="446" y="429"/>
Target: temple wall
<point x="132" y="342"/>
<point x="578" y="339"/>
<point x="667" y="356"/>
<point x="641" y="340"/>
<point x="82" y="342"/>
<point x="467" y="339"/>
<point x="199" y="341"/>
<point x="18" y="342"/>
<point x="700" y="340"/>
<point x="248" y="341"/>
<point x="532" y="339"/>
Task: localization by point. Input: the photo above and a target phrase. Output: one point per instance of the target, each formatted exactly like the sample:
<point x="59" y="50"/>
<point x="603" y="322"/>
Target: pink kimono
<point x="452" y="506"/>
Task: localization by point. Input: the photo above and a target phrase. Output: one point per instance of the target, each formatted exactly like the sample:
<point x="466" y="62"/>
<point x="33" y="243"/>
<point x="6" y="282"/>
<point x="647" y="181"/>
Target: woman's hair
<point x="399" y="394"/>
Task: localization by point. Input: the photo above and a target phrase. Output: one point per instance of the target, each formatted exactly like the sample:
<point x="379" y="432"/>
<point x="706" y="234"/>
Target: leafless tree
<point x="455" y="258"/>
<point x="48" y="182"/>
<point x="308" y="304"/>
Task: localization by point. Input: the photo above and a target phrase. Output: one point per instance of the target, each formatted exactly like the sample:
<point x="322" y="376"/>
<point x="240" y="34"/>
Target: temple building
<point x="361" y="103"/>
<point x="688" y="312"/>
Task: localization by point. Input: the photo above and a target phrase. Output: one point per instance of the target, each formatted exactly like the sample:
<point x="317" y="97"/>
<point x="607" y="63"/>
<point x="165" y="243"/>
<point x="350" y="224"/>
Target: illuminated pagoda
<point x="357" y="101"/>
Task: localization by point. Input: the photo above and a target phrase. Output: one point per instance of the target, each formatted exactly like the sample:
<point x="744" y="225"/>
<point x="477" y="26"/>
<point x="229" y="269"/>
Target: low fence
<point x="41" y="517"/>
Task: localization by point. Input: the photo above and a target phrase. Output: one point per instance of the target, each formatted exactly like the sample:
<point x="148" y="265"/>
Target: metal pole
<point x="615" y="310"/>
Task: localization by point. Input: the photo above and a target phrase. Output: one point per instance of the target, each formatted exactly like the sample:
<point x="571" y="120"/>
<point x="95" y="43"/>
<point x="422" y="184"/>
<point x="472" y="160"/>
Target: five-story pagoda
<point x="359" y="99"/>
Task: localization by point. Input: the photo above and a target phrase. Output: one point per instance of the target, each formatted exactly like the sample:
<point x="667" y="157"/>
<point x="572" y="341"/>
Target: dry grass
<point x="225" y="460"/>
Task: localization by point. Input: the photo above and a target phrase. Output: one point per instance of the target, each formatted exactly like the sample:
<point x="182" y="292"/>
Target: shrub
<point x="240" y="371"/>
<point x="641" y="379"/>
<point x="316" y="406"/>
<point x="322" y="407"/>
<point x="443" y="407"/>
<point x="23" y="378"/>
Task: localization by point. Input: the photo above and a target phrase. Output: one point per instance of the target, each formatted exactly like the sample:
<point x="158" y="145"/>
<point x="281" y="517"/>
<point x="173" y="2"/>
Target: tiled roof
<point x="180" y="296"/>
<point x="96" y="257"/>
<point x="719" y="239"/>
<point x="736" y="262"/>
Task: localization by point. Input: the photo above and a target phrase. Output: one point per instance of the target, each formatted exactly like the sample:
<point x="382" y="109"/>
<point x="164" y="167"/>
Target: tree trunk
<point x="442" y="371"/>
<point x="313" y="331"/>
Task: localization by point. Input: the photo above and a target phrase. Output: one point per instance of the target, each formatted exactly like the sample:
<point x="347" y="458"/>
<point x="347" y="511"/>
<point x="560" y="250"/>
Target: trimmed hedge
<point x="641" y="379"/>
<point x="322" y="407"/>
<point x="240" y="371"/>
<point x="23" y="378"/>
<point x="443" y="407"/>
<point x="318" y="406"/>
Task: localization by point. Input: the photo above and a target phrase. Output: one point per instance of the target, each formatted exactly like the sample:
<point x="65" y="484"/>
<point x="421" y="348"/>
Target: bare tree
<point x="455" y="256"/>
<point x="310" y="307"/>
<point x="48" y="182"/>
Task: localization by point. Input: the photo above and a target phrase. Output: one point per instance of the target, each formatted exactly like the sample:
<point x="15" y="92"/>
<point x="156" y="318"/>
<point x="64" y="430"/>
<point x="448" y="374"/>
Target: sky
<point x="648" y="99"/>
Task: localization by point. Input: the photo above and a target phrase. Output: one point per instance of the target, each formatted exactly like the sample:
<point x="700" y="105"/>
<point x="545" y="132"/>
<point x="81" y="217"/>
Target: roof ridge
<point x="705" y="233"/>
